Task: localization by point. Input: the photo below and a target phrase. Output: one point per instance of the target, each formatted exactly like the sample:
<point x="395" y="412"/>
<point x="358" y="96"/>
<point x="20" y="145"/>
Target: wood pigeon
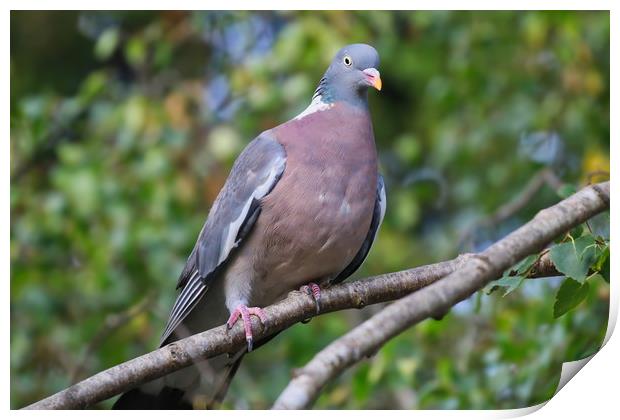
<point x="301" y="208"/>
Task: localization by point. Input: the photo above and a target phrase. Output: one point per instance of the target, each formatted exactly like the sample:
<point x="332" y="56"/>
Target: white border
<point x="592" y="393"/>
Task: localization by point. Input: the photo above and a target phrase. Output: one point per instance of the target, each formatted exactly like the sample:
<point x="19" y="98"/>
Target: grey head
<point x="352" y="71"/>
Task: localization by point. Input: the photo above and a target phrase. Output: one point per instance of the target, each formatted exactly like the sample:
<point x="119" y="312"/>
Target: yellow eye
<point x="347" y="61"/>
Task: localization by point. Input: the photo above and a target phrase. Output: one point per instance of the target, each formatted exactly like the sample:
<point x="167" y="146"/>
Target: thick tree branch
<point x="472" y="275"/>
<point x="295" y="308"/>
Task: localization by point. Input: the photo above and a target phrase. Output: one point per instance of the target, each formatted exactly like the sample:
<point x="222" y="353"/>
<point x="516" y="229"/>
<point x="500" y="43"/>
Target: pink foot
<point x="313" y="290"/>
<point x="245" y="313"/>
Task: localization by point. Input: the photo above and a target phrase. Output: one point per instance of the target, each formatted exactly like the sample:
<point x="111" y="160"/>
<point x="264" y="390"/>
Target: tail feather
<point x="167" y="399"/>
<point x="201" y="385"/>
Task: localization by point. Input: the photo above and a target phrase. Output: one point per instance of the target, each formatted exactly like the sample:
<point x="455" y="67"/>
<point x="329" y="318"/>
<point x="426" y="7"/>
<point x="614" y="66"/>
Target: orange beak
<point x="373" y="77"/>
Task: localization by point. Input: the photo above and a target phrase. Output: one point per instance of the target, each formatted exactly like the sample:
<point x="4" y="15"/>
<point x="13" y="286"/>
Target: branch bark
<point x="364" y="340"/>
<point x="298" y="307"/>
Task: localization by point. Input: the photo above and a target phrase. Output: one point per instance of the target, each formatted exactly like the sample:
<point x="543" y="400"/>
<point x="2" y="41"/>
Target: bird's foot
<point x="313" y="290"/>
<point x="244" y="312"/>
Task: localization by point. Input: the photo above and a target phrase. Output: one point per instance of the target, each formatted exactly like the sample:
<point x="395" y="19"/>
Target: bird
<point x="300" y="209"/>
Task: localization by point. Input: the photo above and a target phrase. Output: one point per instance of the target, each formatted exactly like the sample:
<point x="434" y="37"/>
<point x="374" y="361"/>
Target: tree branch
<point x="471" y="276"/>
<point x="295" y="308"/>
<point x="298" y="307"/>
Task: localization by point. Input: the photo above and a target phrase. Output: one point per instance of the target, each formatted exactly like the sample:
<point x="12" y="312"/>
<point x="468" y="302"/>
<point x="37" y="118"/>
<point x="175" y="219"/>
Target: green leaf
<point x="524" y="266"/>
<point x="577" y="231"/>
<point x="106" y="44"/>
<point x="605" y="271"/>
<point x="570" y="294"/>
<point x="596" y="277"/>
<point x="93" y="85"/>
<point x="521" y="267"/>
<point x="508" y="282"/>
<point x="136" y="51"/>
<point x="602" y="264"/>
<point x="512" y="277"/>
<point x="574" y="258"/>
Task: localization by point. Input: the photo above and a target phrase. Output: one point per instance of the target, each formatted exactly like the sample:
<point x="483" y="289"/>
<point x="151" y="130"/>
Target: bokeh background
<point x="124" y="126"/>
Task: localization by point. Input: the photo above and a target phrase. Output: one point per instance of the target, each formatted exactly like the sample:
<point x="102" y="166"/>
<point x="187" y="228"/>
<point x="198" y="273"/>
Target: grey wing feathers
<point x="377" y="219"/>
<point x="235" y="210"/>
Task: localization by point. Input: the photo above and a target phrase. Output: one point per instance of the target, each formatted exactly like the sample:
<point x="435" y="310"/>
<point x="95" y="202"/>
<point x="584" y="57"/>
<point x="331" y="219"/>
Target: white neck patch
<point x="316" y="105"/>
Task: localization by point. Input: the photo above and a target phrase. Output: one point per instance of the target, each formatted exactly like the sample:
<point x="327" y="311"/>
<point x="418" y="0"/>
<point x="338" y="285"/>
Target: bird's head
<point x="352" y="71"/>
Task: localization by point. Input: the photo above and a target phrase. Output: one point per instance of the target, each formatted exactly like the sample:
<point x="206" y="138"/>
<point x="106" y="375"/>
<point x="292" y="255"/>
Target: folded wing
<point x="232" y="216"/>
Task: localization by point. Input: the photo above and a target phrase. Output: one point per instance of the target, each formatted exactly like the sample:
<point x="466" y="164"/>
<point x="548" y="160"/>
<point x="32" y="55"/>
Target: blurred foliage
<point x="124" y="126"/>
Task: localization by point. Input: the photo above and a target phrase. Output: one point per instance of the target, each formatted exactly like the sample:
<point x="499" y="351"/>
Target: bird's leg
<point x="244" y="312"/>
<point x="313" y="290"/>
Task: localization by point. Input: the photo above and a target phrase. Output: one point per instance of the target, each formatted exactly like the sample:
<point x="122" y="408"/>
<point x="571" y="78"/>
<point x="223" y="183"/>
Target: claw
<point x="244" y="312"/>
<point x="233" y="319"/>
<point x="313" y="290"/>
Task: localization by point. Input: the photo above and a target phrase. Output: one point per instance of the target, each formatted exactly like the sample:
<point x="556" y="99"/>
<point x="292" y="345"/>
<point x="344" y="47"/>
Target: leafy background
<point x="124" y="126"/>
